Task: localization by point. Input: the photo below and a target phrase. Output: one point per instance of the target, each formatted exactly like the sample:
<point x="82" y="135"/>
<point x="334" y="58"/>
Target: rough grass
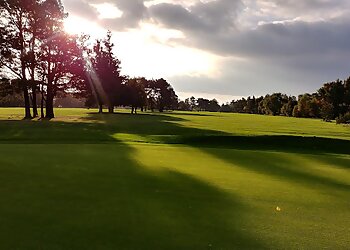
<point x="173" y="181"/>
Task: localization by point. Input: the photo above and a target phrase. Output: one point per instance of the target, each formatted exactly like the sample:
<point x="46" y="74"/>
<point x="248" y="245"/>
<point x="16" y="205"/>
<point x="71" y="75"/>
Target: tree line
<point x="331" y="101"/>
<point x="40" y="61"/>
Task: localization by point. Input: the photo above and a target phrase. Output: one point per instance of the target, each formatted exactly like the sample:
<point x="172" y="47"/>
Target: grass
<point x="173" y="181"/>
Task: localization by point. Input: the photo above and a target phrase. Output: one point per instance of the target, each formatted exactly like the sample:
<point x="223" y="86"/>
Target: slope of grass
<point x="173" y="181"/>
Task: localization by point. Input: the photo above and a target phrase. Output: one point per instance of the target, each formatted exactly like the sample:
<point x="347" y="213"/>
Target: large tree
<point x="15" y="42"/>
<point x="105" y="73"/>
<point x="59" y="53"/>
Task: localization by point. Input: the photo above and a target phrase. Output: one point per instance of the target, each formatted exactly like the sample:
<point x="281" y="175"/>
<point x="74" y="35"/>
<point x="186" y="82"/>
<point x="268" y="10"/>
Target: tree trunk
<point x="42" y="108"/>
<point x="111" y="109"/>
<point x="34" y="104"/>
<point x="27" y="114"/>
<point x="42" y="103"/>
<point x="49" y="103"/>
<point x="100" y="109"/>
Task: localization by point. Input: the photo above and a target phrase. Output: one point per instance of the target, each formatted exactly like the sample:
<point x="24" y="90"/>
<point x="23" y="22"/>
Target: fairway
<point x="178" y="180"/>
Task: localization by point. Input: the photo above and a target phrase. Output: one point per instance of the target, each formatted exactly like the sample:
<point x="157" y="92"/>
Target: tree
<point x="225" y="108"/>
<point x="287" y="108"/>
<point x="335" y="94"/>
<point x="160" y="95"/>
<point x="193" y="103"/>
<point x="327" y="111"/>
<point x="272" y="104"/>
<point x="133" y="94"/>
<point x="58" y="53"/>
<point x="14" y="44"/>
<point x="238" y="106"/>
<point x="107" y="68"/>
<point x="308" y="106"/>
<point x="203" y="104"/>
<point x="213" y="106"/>
<point x="184" y="105"/>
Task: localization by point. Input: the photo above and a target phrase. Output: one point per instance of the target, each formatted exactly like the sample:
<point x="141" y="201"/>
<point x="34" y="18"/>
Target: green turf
<point x="173" y="181"/>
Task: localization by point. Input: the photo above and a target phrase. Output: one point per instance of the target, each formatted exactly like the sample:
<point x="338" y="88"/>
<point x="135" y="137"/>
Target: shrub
<point x="343" y="119"/>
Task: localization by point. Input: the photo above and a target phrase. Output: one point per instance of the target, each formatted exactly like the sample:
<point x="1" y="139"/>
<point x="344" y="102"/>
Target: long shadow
<point x="99" y="128"/>
<point x="194" y="113"/>
<point x="99" y="197"/>
<point x="169" y="131"/>
<point x="280" y="143"/>
<point x="144" y="205"/>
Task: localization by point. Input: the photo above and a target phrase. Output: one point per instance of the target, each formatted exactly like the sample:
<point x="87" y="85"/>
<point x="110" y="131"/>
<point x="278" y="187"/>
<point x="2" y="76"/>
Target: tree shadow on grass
<point x="170" y="131"/>
<point x="193" y="113"/>
<point x="99" y="197"/>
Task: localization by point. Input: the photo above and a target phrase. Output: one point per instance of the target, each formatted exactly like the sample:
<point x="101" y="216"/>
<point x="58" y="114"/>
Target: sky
<point x="224" y="49"/>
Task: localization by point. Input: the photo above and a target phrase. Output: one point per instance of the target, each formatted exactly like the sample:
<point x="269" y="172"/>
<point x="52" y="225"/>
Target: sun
<point x="76" y="25"/>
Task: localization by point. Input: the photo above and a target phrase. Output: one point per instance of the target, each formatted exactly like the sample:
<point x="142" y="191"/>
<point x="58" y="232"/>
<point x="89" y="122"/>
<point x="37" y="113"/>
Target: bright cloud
<point x="225" y="47"/>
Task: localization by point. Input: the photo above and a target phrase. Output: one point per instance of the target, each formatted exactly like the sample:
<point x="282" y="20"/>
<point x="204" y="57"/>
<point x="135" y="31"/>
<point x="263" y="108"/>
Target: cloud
<point x="265" y="45"/>
<point x="211" y="16"/>
<point x="81" y="8"/>
<point x="132" y="12"/>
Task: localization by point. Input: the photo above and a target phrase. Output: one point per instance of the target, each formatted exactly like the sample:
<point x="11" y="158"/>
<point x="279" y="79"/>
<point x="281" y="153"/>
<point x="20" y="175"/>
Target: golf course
<point x="174" y="180"/>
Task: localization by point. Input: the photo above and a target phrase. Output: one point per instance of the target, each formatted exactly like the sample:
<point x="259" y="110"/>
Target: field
<point x="173" y="181"/>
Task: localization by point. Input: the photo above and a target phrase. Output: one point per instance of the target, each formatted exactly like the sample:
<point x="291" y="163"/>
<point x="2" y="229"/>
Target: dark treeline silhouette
<point x="332" y="101"/>
<point x="41" y="62"/>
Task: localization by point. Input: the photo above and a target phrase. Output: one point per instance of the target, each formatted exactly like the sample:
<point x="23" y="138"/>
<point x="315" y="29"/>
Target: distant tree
<point x="107" y="68"/>
<point x="202" y="104"/>
<point x="343" y="119"/>
<point x="193" y="102"/>
<point x="251" y="107"/>
<point x="238" y="106"/>
<point x="335" y="94"/>
<point x="184" y="105"/>
<point x="272" y="104"/>
<point x="326" y="111"/>
<point x="308" y="106"/>
<point x="133" y="94"/>
<point x="225" y="108"/>
<point x="347" y="94"/>
<point x="288" y="107"/>
<point x="10" y="93"/>
<point x="304" y="108"/>
<point x="68" y="101"/>
<point x="213" y="106"/>
<point x="161" y="95"/>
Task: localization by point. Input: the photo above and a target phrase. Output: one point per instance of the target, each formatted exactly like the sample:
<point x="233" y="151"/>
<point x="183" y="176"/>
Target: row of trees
<point x="200" y="104"/>
<point x="329" y="102"/>
<point x="40" y="61"/>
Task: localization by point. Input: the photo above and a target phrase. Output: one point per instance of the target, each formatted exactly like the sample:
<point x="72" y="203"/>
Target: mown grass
<point x="173" y="181"/>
